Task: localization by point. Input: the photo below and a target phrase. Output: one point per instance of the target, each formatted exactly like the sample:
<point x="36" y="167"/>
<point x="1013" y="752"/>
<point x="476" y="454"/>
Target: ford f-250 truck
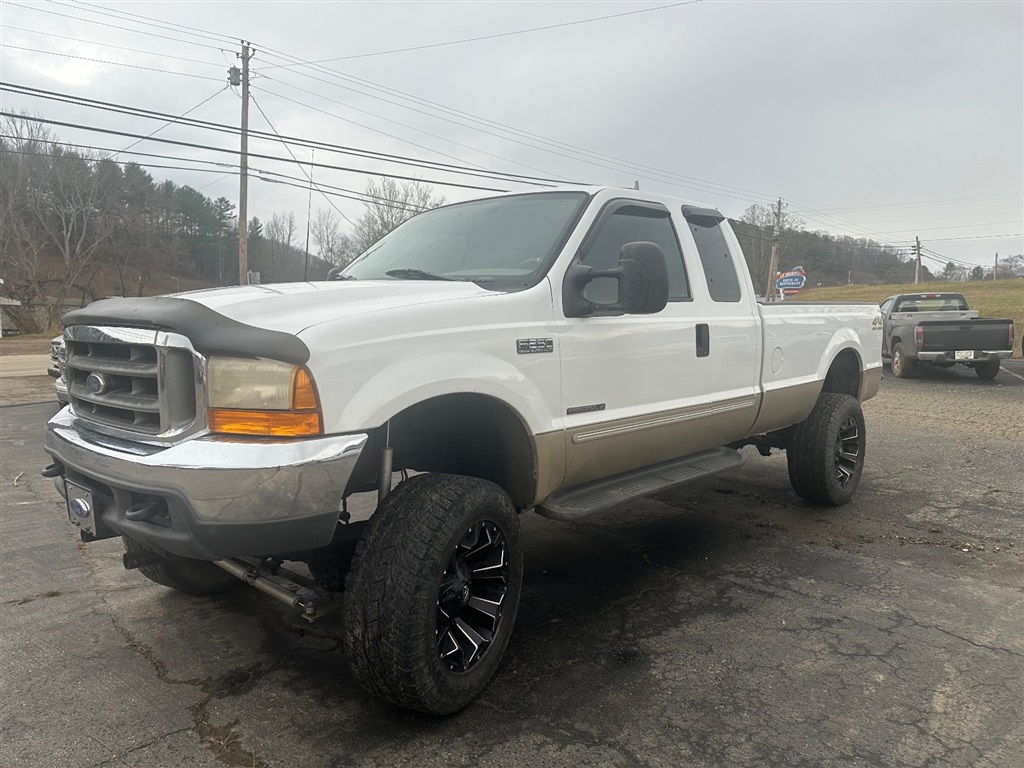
<point x="939" y="329"/>
<point x="560" y="351"/>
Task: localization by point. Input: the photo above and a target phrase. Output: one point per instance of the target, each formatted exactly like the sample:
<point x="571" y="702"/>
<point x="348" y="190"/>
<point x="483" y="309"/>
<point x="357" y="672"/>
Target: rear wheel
<point x="433" y="592"/>
<point x="826" y="452"/>
<point x="902" y="366"/>
<point x="193" y="577"/>
<point x="987" y="369"/>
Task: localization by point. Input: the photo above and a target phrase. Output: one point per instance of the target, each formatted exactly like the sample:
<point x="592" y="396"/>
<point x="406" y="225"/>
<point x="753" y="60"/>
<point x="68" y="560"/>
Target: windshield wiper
<point x="414" y="274"/>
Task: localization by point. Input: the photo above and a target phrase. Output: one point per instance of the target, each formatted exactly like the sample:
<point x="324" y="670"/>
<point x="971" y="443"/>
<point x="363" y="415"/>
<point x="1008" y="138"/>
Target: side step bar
<point x="597" y="495"/>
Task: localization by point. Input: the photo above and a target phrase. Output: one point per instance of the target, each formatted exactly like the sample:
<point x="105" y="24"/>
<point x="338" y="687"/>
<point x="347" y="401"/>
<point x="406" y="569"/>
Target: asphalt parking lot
<point x="724" y="623"/>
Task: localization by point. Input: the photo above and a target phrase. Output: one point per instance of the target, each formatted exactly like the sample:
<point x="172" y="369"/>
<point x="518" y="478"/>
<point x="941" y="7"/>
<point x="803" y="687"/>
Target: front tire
<point x="987" y="370"/>
<point x="902" y="366"/>
<point x="193" y="577"/>
<point x="433" y="592"/>
<point x="825" y="455"/>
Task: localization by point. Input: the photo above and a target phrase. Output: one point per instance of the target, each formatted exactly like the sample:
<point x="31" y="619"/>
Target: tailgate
<point x="978" y="334"/>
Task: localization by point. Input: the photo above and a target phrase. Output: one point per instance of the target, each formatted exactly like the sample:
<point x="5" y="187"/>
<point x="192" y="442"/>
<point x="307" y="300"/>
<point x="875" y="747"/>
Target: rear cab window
<point x="931" y="302"/>
<point x="718" y="260"/>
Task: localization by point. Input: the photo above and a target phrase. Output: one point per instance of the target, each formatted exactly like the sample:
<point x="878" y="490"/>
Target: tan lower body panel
<point x="870" y="381"/>
<point x="549" y="453"/>
<point x="599" y="450"/>
<point x="785" y="406"/>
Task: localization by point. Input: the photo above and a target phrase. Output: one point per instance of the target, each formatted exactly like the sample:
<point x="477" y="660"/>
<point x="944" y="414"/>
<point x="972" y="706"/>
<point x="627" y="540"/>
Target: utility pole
<point x="917" y="263"/>
<point x="995" y="270"/>
<point x="773" y="262"/>
<point x="309" y="208"/>
<point x="243" y="175"/>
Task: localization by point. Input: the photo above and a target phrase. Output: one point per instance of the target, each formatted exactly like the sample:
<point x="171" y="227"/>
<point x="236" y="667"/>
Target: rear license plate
<point x="965" y="354"/>
<point x="81" y="508"/>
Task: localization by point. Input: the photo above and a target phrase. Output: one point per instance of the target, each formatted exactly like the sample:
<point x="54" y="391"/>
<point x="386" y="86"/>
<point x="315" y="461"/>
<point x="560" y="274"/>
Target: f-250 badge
<point x="534" y="346"/>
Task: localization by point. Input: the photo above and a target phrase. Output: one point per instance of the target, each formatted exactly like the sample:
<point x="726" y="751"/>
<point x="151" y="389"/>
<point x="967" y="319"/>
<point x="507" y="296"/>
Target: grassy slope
<point x="1003" y="298"/>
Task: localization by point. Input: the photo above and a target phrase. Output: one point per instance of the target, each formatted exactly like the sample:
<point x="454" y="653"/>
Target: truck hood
<point x="295" y="307"/>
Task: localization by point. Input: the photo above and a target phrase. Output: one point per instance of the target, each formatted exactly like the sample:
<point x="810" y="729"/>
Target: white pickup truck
<point x="561" y="351"/>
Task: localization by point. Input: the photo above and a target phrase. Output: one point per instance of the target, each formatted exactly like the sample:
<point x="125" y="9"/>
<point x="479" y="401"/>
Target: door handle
<point x="703" y="340"/>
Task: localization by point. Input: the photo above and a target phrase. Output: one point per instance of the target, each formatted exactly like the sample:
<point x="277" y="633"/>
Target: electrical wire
<point x="100" y="43"/>
<point x="148" y="21"/>
<point x="110" y="63"/>
<point x="79" y="126"/>
<point x="500" y="34"/>
<point x="297" y="141"/>
<point x="8" y="3"/>
<point x="171" y="122"/>
<point x="302" y="167"/>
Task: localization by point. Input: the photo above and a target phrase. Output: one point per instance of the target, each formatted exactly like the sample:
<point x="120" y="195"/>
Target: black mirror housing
<point x="643" y="283"/>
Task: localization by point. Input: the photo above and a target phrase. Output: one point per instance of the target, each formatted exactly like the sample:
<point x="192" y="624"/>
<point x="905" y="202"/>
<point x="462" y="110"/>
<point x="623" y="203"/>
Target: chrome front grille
<point x="134" y="380"/>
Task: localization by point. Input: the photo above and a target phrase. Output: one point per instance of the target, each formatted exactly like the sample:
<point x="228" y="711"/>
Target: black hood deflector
<point x="211" y="333"/>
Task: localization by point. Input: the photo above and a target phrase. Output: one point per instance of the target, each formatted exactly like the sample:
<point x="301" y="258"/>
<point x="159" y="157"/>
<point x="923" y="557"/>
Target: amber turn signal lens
<point x="265" y="423"/>
<point x="303" y="392"/>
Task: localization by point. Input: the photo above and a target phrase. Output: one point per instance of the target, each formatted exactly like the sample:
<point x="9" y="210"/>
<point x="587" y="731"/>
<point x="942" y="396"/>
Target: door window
<point x="630" y="226"/>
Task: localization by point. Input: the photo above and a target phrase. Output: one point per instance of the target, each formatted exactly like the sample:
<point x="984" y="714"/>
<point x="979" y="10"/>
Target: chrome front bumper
<point x="223" y="498"/>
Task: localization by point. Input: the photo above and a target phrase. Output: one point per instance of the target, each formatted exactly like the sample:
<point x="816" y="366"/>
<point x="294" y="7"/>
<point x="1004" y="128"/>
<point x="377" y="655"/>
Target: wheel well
<point x="465" y="434"/>
<point x="843" y="375"/>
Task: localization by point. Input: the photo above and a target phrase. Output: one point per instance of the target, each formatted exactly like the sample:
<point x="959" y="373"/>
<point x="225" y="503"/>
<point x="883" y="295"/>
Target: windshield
<point x="501" y="240"/>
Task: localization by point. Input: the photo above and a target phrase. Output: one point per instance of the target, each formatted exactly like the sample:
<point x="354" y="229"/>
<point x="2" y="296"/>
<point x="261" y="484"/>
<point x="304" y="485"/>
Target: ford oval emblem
<point x="79" y="508"/>
<point x="97" y="383"/>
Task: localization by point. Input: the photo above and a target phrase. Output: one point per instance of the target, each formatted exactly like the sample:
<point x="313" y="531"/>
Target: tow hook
<point x="54" y="470"/>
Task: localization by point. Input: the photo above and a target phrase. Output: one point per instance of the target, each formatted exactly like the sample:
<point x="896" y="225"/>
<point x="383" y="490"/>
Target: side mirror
<point x="642" y="275"/>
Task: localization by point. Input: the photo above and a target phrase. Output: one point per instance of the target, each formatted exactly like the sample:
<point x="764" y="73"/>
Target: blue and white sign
<point x="791" y="281"/>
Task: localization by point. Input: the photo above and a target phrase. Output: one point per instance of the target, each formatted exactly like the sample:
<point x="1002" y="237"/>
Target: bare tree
<point x="391" y="203"/>
<point x="331" y="244"/>
<point x="756" y="240"/>
<point x="54" y="203"/>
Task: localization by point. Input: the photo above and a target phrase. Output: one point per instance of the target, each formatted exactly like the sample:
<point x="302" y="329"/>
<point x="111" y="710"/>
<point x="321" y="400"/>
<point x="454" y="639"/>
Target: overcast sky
<point x="878" y="119"/>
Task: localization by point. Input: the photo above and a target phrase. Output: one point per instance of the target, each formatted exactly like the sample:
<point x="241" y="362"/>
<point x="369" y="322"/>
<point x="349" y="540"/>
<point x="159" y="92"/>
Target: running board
<point x="597" y="495"/>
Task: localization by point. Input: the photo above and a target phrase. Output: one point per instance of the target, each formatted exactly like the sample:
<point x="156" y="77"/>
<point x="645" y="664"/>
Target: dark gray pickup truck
<point x="939" y="329"/>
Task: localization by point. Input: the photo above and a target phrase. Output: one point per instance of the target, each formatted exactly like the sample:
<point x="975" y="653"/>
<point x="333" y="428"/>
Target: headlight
<point x="261" y="397"/>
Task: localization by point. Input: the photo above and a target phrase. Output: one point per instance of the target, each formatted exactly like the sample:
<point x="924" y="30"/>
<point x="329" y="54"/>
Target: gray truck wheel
<point x="987" y="369"/>
<point x="826" y="451"/>
<point x="433" y="592"/>
<point x="193" y="577"/>
<point x="902" y="366"/>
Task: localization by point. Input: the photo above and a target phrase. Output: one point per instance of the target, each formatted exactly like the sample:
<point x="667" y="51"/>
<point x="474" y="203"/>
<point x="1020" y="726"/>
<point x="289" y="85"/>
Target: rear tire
<point x="987" y="369"/>
<point x="902" y="366"/>
<point x="433" y="592"/>
<point x="193" y="577"/>
<point x="826" y="451"/>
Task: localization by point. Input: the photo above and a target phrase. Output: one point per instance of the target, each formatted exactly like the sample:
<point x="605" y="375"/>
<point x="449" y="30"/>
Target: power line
<point x="110" y="63"/>
<point x="208" y="148"/>
<point x="301" y="166"/>
<point x="632" y="167"/>
<point x="100" y="43"/>
<point x="498" y="34"/>
<point x="145" y="20"/>
<point x="259" y="173"/>
<point x="110" y="26"/>
<point x="298" y="141"/>
<point x="171" y="122"/>
<point x="922" y="203"/>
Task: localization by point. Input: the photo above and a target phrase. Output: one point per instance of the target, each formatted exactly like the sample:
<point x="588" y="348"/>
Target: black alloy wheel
<point x="432" y="596"/>
<point x="847" y="450"/>
<point x="471" y="596"/>
<point x="825" y="454"/>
